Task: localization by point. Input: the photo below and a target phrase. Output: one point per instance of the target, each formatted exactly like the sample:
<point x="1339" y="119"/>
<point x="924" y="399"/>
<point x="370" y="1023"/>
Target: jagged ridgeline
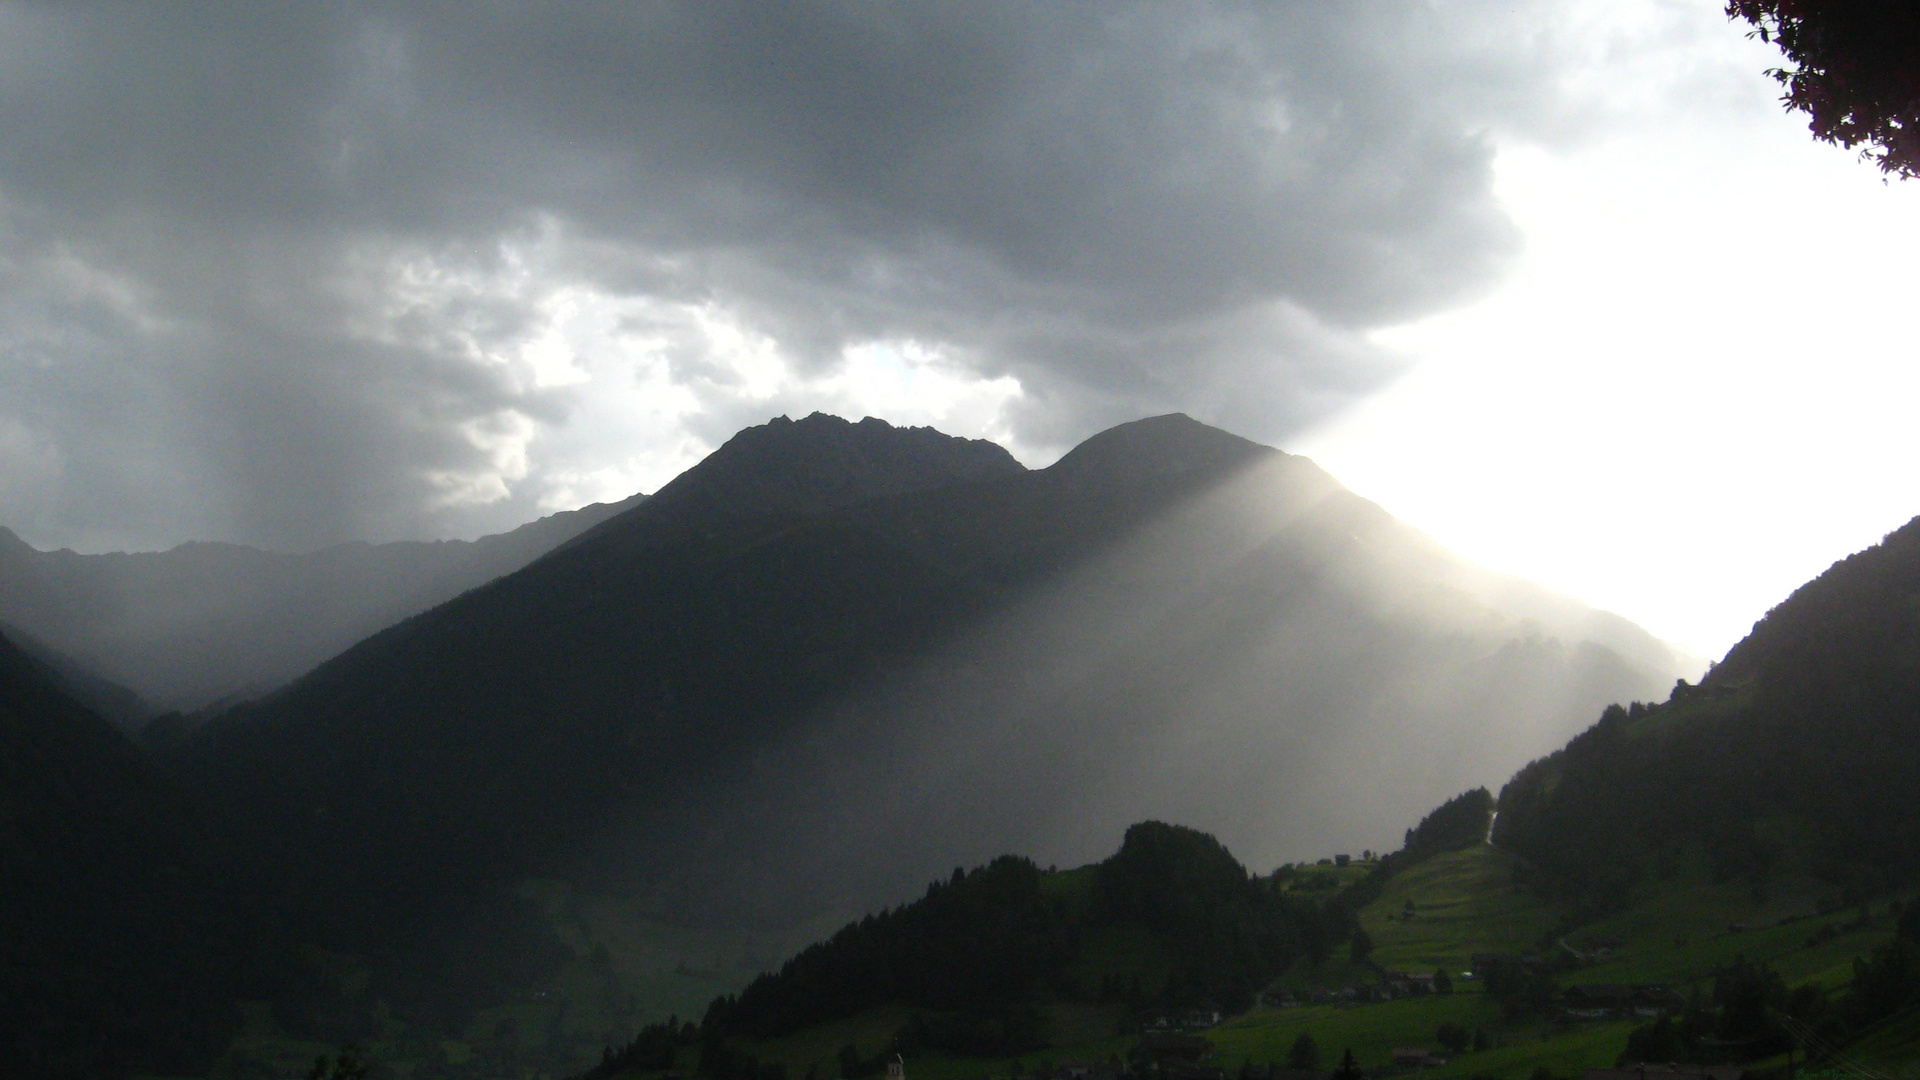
<point x="982" y="950"/>
<point x="1797" y="755"/>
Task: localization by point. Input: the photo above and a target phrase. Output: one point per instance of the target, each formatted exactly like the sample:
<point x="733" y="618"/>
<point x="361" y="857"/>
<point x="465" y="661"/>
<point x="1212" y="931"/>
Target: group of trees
<point x="1457" y="1039"/>
<point x="981" y="944"/>
<point x="1746" y="1017"/>
<point x="1751" y="1013"/>
<point x="653" y="1050"/>
<point x="976" y="956"/>
<point x="1230" y="932"/>
<point x="1460" y="822"/>
<point x="979" y="952"/>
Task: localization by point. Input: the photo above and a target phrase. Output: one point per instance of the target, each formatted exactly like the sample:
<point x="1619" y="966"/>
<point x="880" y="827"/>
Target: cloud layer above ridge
<point x="290" y="275"/>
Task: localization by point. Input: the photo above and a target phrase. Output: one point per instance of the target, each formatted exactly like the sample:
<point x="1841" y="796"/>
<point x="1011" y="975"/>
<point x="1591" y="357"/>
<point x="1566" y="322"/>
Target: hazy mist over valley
<point x="203" y="623"/>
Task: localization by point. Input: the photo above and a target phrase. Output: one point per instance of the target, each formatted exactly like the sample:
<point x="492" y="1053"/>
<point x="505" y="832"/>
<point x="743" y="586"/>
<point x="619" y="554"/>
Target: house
<point x="1418" y="1057"/>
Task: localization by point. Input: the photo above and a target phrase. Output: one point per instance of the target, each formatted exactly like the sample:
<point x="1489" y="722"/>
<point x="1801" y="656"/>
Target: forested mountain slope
<point x="1169" y="921"/>
<point x="1796" y="755"/>
<point x="187" y="627"/>
<point x="835" y="660"/>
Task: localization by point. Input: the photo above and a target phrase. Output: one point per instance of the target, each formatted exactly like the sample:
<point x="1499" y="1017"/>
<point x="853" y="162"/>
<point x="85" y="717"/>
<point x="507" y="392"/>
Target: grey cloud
<point x="1130" y="208"/>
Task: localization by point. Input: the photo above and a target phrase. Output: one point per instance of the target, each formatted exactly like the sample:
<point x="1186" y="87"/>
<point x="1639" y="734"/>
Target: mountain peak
<point x="821" y="461"/>
<point x="1159" y="447"/>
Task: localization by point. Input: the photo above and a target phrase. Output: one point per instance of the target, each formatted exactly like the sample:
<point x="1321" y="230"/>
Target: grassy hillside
<point x="1435" y="914"/>
<point x="1794" y="758"/>
<point x="1441" y="912"/>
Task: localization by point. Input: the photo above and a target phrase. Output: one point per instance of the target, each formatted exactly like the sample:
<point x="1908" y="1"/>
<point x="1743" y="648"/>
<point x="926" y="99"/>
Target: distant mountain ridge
<point x="202" y="622"/>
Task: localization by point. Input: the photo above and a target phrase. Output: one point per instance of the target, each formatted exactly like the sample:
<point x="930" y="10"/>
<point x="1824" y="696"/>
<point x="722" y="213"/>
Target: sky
<point x="1558" y="282"/>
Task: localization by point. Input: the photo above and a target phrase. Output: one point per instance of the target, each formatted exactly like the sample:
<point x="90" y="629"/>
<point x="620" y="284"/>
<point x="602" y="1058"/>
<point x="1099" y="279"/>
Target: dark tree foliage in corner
<point x="1853" y="68"/>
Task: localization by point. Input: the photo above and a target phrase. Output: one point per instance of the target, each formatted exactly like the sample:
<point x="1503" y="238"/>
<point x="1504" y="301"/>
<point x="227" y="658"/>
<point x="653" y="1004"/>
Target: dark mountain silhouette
<point x="116" y="947"/>
<point x="202" y="622"/>
<point x="819" y="463"/>
<point x="835" y="659"/>
<point x="1796" y="755"/>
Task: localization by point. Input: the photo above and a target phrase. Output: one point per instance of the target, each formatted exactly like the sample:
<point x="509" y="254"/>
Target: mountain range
<point x="834" y="660"/>
<point x="137" y="634"/>
<point x="822" y="667"/>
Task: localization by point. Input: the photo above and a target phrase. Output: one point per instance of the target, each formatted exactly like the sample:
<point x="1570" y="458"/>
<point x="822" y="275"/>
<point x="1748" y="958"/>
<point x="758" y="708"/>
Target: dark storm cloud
<point x="266" y="264"/>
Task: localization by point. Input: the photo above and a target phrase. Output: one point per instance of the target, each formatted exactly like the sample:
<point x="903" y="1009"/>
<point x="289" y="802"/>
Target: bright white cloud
<point x="400" y="269"/>
<point x="1695" y="390"/>
<point x="293" y="275"/>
